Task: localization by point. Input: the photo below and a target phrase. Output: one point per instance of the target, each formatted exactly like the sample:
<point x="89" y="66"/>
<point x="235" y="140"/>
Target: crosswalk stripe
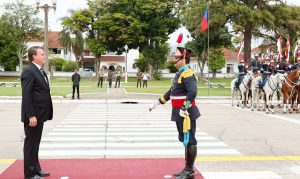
<point x="131" y="145"/>
<point x="118" y="122"/>
<point x="92" y="131"/>
<point x="133" y="152"/>
<point x="142" y="138"/>
<point x="243" y="175"/>
<point x="115" y="134"/>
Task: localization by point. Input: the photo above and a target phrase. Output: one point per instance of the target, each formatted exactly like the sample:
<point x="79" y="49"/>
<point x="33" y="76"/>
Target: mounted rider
<point x="242" y="72"/>
<point x="272" y="66"/>
<point x="255" y="63"/>
<point x="265" y="72"/>
<point x="283" y="66"/>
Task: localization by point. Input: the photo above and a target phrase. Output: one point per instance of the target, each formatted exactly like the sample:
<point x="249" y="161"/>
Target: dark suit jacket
<point x="36" y="98"/>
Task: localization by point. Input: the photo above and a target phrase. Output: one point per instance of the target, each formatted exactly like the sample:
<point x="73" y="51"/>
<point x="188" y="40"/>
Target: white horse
<point x="273" y="83"/>
<point x="255" y="90"/>
<point x="242" y="91"/>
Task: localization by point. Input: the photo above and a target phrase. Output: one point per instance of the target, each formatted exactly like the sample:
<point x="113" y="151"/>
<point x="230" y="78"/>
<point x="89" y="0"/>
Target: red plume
<point x="179" y="39"/>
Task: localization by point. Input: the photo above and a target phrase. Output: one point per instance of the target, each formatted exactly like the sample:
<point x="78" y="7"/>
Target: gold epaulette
<point x="186" y="73"/>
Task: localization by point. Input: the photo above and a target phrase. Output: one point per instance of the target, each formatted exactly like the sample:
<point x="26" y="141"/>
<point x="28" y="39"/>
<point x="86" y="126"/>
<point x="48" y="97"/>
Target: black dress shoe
<point x="43" y="173"/>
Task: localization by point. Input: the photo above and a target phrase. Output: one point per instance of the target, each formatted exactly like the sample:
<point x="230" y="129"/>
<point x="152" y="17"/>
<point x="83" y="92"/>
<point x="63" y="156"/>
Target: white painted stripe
<point x="138" y="126"/>
<point x="81" y="126"/>
<point x="142" y="138"/>
<point x="131" y="145"/>
<point x="116" y="122"/>
<point x="134" y="152"/>
<point x="51" y="139"/>
<point x="105" y="118"/>
<point x="100" y="138"/>
<point x="79" y="129"/>
<point x="87" y="111"/>
<point x="120" y="126"/>
<point x="241" y="175"/>
<point x="295" y="169"/>
<point x="117" y="134"/>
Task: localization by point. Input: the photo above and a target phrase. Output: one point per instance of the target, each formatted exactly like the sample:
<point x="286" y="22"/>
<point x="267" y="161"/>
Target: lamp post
<point x="46" y="9"/>
<point x="126" y="75"/>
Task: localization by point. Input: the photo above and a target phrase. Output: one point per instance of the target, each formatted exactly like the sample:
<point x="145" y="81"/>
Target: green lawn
<point x="61" y="86"/>
<point x="162" y="90"/>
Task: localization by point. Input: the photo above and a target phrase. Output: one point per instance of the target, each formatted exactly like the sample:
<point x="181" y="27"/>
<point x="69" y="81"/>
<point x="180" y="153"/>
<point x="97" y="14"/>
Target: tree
<point x="141" y="63"/>
<point x="110" y="25"/>
<point x="26" y="24"/>
<point x="75" y="45"/>
<point x="219" y="35"/>
<point x="259" y="18"/>
<point x="216" y="60"/>
<point x="8" y="45"/>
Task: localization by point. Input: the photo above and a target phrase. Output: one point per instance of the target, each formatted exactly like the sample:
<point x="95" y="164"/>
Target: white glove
<point x="153" y="105"/>
<point x="183" y="113"/>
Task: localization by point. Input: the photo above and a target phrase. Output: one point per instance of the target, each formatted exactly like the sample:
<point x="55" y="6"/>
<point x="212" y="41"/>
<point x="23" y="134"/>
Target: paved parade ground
<point x="232" y="142"/>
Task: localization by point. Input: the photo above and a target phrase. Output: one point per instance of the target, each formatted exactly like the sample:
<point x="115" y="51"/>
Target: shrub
<point x="57" y="62"/>
<point x="70" y="66"/>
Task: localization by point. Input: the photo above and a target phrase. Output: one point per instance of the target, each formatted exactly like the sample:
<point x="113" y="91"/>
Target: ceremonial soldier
<point x="297" y="62"/>
<point x="242" y="72"/>
<point x="255" y="64"/>
<point x="184" y="110"/>
<point x="282" y="67"/>
<point x="272" y="67"/>
<point x="265" y="73"/>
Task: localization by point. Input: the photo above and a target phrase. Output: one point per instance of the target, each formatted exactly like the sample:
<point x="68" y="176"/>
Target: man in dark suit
<point x="76" y="80"/>
<point x="36" y="109"/>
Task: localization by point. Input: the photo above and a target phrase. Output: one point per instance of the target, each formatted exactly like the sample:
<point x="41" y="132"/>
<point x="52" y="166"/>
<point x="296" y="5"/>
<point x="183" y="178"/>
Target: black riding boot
<point x="188" y="172"/>
<point x="183" y="170"/>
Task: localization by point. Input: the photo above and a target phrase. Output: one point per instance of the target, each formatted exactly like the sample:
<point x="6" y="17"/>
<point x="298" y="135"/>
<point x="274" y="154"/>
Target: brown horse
<point x="288" y="88"/>
<point x="296" y="99"/>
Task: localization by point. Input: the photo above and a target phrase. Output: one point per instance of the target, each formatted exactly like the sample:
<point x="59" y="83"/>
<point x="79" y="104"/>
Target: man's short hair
<point x="33" y="51"/>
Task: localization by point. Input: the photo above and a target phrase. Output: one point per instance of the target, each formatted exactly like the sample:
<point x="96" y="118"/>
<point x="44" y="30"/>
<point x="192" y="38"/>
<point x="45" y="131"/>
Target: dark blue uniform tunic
<point x="183" y="94"/>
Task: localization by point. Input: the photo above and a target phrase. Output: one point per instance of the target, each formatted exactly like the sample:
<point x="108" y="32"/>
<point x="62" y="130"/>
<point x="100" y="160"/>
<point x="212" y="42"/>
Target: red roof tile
<point x="53" y="40"/>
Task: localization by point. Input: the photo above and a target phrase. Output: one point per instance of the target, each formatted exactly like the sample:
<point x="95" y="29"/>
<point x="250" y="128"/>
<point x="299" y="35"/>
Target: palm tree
<point x="75" y="45"/>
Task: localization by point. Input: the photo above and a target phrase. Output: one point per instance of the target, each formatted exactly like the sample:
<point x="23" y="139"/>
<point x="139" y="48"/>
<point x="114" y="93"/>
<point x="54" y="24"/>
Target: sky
<point x="64" y="5"/>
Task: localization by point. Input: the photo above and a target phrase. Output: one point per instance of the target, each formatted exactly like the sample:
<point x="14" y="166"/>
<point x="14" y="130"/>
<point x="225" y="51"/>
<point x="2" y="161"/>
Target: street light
<point x="126" y="75"/>
<point x="46" y="9"/>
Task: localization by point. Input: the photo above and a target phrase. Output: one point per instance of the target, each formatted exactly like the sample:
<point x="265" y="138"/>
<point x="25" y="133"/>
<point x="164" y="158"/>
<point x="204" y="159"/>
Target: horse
<point x="273" y="83"/>
<point x="255" y="90"/>
<point x="296" y="99"/>
<point x="242" y="90"/>
<point x="288" y="88"/>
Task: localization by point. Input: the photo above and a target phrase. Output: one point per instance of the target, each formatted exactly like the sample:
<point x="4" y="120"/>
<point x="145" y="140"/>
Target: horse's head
<point x="250" y="74"/>
<point x="280" y="77"/>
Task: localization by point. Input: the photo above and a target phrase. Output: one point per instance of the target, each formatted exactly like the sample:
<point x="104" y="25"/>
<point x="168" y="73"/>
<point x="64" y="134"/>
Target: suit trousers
<point x="77" y="88"/>
<point x="31" y="149"/>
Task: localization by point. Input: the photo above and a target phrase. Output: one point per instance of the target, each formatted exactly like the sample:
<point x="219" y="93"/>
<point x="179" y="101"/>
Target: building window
<point x="229" y="68"/>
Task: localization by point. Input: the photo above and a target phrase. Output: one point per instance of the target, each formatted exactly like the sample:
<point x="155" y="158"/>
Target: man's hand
<point x="183" y="112"/>
<point x="153" y="105"/>
<point x="32" y="121"/>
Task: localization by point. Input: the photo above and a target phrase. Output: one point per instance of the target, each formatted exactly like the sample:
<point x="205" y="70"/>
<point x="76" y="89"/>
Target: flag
<point x="279" y="48"/>
<point x="204" y="22"/>
<point x="287" y="49"/>
<point x="295" y="51"/>
<point x="240" y="55"/>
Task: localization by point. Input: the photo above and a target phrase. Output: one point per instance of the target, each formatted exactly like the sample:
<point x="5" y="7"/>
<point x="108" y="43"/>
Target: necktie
<point x="42" y="71"/>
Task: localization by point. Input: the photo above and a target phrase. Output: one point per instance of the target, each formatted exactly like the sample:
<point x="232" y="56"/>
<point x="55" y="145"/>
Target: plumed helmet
<point x="181" y="53"/>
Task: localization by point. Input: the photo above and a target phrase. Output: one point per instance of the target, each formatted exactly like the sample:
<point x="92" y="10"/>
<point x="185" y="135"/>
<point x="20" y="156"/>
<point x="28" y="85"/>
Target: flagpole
<point x="208" y="39"/>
